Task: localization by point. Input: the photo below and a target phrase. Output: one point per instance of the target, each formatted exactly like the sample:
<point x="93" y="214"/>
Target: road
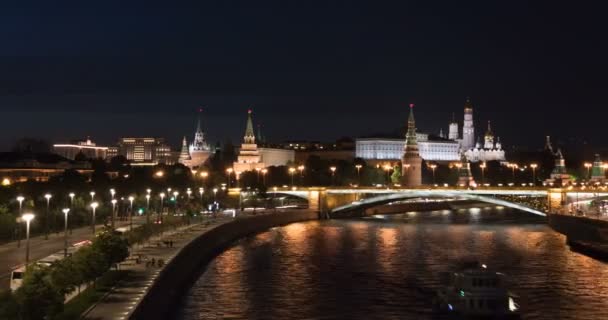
<point x="11" y="256"/>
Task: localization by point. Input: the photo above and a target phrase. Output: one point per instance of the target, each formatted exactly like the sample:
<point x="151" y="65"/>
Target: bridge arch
<point x="388" y="198"/>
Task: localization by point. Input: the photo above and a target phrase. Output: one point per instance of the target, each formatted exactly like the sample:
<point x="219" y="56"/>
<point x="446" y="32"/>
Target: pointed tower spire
<point x="198" y="124"/>
<point x="249" y="134"/>
<point x="184" y="154"/>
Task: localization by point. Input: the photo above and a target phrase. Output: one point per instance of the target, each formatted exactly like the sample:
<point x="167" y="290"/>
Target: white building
<point x="277" y="157"/>
<point x="384" y="149"/>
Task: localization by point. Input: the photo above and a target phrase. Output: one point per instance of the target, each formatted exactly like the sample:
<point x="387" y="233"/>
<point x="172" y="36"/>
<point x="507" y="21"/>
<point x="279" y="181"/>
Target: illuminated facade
<point x="19" y="167"/>
<point x="376" y="150"/>
<point x="145" y="151"/>
<point x="491" y="151"/>
<point x="87" y="148"/>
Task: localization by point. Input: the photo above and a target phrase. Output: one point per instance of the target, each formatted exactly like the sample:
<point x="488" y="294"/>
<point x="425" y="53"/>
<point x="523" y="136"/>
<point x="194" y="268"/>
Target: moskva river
<point x="387" y="268"/>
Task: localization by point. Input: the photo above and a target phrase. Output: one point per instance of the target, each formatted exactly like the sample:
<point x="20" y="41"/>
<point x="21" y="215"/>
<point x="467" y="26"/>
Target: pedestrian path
<point x="123" y="299"/>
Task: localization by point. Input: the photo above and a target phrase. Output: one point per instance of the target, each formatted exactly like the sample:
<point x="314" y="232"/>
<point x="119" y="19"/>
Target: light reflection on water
<point x="384" y="269"/>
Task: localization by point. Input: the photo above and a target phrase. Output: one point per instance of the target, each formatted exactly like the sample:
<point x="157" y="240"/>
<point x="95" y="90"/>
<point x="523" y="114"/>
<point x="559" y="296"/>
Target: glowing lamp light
<point x="6" y="182"/>
<point x="27" y="217"/>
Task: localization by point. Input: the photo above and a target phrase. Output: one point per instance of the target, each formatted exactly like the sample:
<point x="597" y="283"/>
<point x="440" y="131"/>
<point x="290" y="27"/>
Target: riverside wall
<point x="579" y="228"/>
<point x="183" y="270"/>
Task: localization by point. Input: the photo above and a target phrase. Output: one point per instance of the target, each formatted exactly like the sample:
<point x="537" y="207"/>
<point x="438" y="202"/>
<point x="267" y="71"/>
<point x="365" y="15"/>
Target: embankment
<point x="579" y="228"/>
<point x="179" y="274"/>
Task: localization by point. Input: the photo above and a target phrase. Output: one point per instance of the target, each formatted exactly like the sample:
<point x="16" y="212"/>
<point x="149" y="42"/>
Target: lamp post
<point x="333" y="174"/>
<point x="204" y="175"/>
<point x="188" y="192"/>
<point x="433" y="167"/>
<point x="264" y="172"/>
<point x="92" y="193"/>
<point x="257" y="177"/>
<point x="301" y="169"/>
<point x="201" y="192"/>
<point x="358" y="166"/>
<point x="533" y="166"/>
<point x="175" y="194"/>
<point x="214" y="194"/>
<point x="147" y="209"/>
<point x="229" y="172"/>
<point x="112" y="192"/>
<point x="483" y="169"/>
<point x="387" y="168"/>
<point x="94" y="206"/>
<point x="113" y="217"/>
<point x="20" y="200"/>
<point x="291" y="172"/>
<point x="131" y="198"/>
<point x="65" y="231"/>
<point x="72" y="194"/>
<point x="588" y="166"/>
<point x="28" y="217"/>
<point x="160" y="212"/>
<point x="48" y="197"/>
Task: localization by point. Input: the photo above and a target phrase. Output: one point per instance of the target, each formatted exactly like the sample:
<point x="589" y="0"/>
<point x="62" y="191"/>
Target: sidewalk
<point x="122" y="300"/>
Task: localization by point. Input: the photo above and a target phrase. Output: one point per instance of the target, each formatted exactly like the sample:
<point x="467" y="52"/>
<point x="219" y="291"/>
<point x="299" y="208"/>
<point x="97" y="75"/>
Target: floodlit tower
<point x="453" y="132"/>
<point x="411" y="160"/>
<point x="468" y="129"/>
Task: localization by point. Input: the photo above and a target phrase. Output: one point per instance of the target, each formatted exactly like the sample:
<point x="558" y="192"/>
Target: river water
<point x="386" y="268"/>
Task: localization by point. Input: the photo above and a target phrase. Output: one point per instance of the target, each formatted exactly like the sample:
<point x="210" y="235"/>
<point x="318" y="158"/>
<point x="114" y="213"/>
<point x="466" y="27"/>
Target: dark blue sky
<point x="313" y="70"/>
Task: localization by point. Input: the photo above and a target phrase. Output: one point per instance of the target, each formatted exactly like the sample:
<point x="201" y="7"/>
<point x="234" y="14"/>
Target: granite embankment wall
<point x="180" y="273"/>
<point x="580" y="228"/>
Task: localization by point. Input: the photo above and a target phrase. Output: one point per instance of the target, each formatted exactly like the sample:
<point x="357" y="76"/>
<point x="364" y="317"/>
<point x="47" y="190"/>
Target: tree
<point x="9" y="308"/>
<point x="37" y="297"/>
<point x="112" y="246"/>
<point x="396" y="176"/>
<point x="65" y="276"/>
<point x="90" y="263"/>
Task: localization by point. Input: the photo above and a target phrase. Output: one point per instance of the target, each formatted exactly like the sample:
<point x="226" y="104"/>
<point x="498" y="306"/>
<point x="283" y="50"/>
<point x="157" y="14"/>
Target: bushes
<point x="42" y="294"/>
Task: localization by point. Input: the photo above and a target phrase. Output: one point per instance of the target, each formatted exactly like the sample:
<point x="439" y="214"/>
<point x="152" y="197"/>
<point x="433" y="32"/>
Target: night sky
<point x="312" y="70"/>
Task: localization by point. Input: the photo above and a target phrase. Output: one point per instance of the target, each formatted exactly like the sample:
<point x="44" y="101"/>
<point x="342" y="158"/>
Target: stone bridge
<point x="336" y="201"/>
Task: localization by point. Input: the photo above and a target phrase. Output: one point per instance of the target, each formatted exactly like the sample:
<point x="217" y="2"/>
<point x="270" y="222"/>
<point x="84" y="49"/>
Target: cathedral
<point x="198" y="152"/>
<point x="490" y="150"/>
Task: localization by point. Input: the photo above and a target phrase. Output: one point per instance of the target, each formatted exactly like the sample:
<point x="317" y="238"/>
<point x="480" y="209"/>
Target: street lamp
<point x="214" y="194"/>
<point x="175" y="194"/>
<point x="264" y="172"/>
<point x="257" y="177"/>
<point x="387" y="168"/>
<point x="20" y="199"/>
<point x="131" y="198"/>
<point x="588" y="166"/>
<point x="114" y="201"/>
<point x="358" y="166"/>
<point x="229" y="172"/>
<point x="92" y="193"/>
<point x="160" y="212"/>
<point x="72" y="194"/>
<point x="48" y="197"/>
<point x="112" y="192"/>
<point x="189" y="192"/>
<point x="333" y="174"/>
<point x="201" y="191"/>
<point x="483" y="169"/>
<point x="148" y="208"/>
<point x="433" y="167"/>
<point x="65" y="231"/>
<point x="28" y="217"/>
<point x="159" y="174"/>
<point x="301" y="169"/>
<point x="534" y="166"/>
<point x="94" y="206"/>
<point x="292" y="170"/>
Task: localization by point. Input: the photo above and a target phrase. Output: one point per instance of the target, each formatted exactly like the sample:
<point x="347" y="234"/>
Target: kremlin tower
<point x="249" y="156"/>
<point x="411" y="160"/>
<point x="468" y="129"/>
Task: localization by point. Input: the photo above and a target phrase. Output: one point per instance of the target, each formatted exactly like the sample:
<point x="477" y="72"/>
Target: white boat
<point x="476" y="292"/>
